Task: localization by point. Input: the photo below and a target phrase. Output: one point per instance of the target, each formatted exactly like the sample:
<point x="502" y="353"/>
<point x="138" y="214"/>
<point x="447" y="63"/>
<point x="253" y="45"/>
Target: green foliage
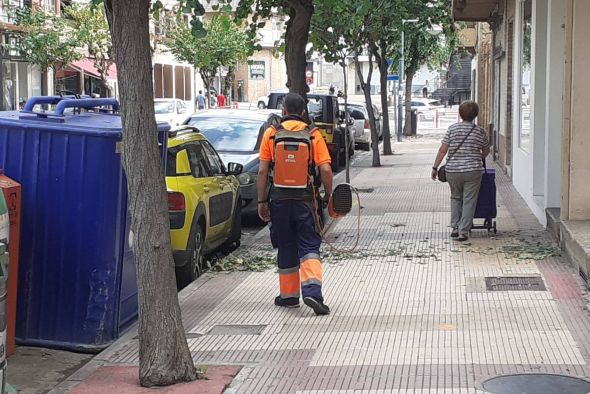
<point x="422" y="47"/>
<point x="223" y="44"/>
<point x="91" y="30"/>
<point x="46" y="40"/>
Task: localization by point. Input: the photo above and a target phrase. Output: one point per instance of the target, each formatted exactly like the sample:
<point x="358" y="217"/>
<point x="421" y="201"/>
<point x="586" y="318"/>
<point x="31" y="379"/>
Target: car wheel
<point x="195" y="264"/>
<point x="261" y="105"/>
<point x="233" y="242"/>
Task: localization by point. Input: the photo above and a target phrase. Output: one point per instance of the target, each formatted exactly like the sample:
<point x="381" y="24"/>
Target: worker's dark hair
<point x="293" y="104"/>
<point x="200" y="92"/>
<point x="468" y="110"/>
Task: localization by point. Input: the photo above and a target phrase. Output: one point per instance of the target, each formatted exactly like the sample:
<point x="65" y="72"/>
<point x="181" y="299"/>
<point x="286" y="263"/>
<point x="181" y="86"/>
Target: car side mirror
<point x="234" y="168"/>
<point x="183" y="165"/>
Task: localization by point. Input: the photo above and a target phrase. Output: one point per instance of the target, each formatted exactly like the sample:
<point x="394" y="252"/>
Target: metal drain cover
<point x="515" y="283"/>
<point x="237" y="329"/>
<point x="537" y="383"/>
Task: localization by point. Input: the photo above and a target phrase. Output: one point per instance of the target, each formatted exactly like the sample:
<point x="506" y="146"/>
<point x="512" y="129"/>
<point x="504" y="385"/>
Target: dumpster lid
<point x="90" y="123"/>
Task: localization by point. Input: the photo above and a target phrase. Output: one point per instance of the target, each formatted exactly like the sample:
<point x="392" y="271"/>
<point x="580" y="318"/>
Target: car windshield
<point x="226" y="134"/>
<point x="164" y="107"/>
<point x="315" y="108"/>
<point x="435" y="103"/>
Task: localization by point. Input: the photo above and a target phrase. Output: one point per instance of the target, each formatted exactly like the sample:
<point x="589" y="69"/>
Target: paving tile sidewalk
<point x="410" y="308"/>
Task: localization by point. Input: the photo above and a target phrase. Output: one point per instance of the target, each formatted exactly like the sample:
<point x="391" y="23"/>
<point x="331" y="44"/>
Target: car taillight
<point x="367" y="124"/>
<point x="176" y="201"/>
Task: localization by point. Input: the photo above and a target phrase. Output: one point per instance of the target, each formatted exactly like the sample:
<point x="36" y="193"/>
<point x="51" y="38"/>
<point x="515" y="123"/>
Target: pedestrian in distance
<point x="200" y="101"/>
<point x="290" y="153"/>
<point x="221" y="100"/>
<point x="467" y="146"/>
<point x="425" y="90"/>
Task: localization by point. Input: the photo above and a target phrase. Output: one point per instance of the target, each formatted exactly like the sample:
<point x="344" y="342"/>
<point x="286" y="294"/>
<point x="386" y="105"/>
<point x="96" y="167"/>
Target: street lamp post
<point x="401" y="100"/>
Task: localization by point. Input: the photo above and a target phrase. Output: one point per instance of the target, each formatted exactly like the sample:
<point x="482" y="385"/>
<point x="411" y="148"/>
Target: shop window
<point x="158" y="81"/>
<point x="168" y="81"/>
<point x="8" y="8"/>
<point x="187" y="84"/>
<point x="179" y="82"/>
<point x="526" y="88"/>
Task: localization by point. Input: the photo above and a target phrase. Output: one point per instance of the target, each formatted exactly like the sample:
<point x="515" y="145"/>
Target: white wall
<point x="537" y="170"/>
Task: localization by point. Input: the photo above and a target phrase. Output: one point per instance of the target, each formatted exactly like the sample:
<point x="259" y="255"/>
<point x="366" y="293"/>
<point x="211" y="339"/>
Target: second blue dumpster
<point x="77" y="288"/>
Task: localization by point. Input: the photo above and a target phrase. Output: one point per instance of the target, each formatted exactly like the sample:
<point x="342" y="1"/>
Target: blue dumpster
<point x="77" y="287"/>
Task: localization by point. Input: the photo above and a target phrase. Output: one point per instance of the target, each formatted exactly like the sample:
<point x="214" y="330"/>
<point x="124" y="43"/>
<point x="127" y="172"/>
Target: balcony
<point x="473" y="10"/>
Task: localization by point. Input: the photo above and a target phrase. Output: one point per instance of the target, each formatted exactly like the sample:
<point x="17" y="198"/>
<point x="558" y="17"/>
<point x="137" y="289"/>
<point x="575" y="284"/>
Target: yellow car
<point x="204" y="202"/>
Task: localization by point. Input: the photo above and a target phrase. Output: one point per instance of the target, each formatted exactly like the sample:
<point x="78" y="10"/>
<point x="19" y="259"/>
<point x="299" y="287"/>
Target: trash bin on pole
<point x="414" y="121"/>
<point x="77" y="278"/>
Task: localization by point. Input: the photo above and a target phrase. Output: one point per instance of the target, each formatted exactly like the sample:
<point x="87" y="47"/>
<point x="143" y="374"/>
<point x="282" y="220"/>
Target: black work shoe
<point x="287" y="302"/>
<point x="462" y="238"/>
<point x="455" y="233"/>
<point x="318" y="306"/>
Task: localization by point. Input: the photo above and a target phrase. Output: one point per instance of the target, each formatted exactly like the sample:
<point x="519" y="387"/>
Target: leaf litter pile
<point x="244" y="260"/>
<point x="262" y="259"/>
<point x="524" y="248"/>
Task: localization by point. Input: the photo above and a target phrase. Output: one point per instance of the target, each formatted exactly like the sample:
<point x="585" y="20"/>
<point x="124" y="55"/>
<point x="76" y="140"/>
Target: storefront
<point x="82" y="77"/>
<point x="18" y="78"/>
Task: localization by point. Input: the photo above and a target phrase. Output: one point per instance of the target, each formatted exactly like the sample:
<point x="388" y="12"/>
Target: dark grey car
<point x="236" y="136"/>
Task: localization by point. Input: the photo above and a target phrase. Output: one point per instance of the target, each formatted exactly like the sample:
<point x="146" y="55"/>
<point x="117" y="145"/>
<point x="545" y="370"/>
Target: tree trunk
<point x="164" y="357"/>
<point x="207" y="78"/>
<point x="383" y="68"/>
<point x="346" y="117"/>
<point x="229" y="84"/>
<point x="296" y="38"/>
<point x="367" y="92"/>
<point x="44" y="87"/>
<point x="408" y="104"/>
<point x="105" y="88"/>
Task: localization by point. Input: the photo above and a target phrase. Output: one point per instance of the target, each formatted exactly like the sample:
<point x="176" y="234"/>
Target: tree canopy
<point x="224" y="44"/>
<point x="91" y="30"/>
<point x="45" y="41"/>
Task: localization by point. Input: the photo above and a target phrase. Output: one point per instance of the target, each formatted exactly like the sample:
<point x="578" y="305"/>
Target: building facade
<point x="532" y="72"/>
<point x="19" y="78"/>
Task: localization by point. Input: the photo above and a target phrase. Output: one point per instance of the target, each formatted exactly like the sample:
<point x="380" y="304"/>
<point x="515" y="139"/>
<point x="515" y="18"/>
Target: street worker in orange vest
<point x="290" y="154"/>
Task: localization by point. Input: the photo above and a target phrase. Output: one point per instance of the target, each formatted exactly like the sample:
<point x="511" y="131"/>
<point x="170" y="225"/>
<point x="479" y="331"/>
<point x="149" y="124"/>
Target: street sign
<point x="308" y="74"/>
<point x="393" y="77"/>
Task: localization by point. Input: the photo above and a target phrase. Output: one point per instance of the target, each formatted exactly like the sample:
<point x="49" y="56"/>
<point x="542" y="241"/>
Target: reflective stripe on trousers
<point x="293" y="230"/>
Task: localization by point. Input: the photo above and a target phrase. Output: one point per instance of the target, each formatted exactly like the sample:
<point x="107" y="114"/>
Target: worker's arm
<point x="327" y="179"/>
<point x="261" y="185"/>
<point x="442" y="152"/>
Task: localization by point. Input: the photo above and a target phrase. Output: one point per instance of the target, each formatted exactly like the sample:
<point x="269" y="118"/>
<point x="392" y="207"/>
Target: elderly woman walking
<point x="466" y="145"/>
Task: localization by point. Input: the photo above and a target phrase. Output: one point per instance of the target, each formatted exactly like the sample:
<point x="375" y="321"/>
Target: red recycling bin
<point x="12" y="195"/>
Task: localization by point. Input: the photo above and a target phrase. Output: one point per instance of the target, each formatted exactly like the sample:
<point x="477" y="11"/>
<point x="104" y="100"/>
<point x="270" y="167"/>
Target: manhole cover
<point x="515" y="283"/>
<point x="238" y="329"/>
<point x="536" y="384"/>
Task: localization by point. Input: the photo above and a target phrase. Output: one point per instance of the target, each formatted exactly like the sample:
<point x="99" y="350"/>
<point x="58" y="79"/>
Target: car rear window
<point x="225" y="134"/>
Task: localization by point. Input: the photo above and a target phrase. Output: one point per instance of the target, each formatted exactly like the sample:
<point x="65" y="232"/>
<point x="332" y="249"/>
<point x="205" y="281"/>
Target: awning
<point x="87" y="67"/>
<point x="473" y="10"/>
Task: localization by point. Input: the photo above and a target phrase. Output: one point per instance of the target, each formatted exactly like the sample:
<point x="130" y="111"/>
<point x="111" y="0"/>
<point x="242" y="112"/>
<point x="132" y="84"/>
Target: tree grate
<point x="515" y="283"/>
<point x="237" y="329"/>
